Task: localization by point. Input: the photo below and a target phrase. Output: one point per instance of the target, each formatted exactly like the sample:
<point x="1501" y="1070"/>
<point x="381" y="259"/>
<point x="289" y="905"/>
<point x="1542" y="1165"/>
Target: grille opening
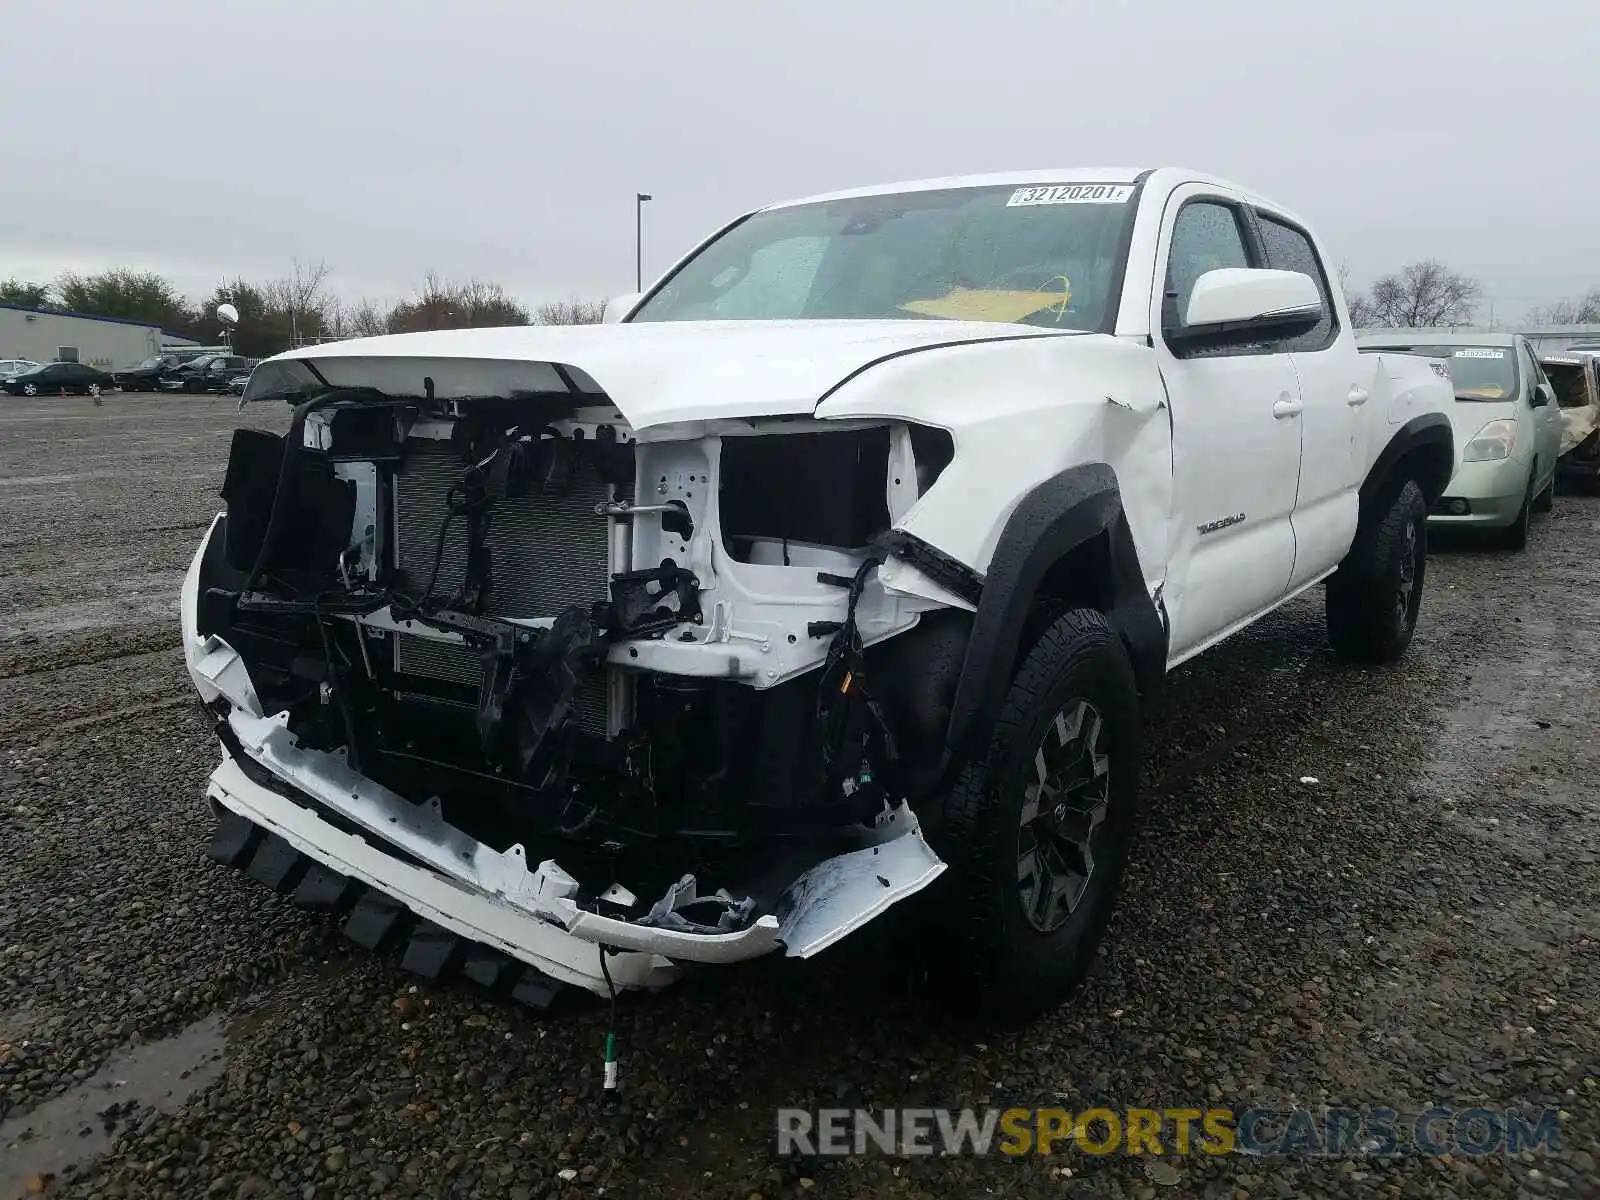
<point x="819" y="489"/>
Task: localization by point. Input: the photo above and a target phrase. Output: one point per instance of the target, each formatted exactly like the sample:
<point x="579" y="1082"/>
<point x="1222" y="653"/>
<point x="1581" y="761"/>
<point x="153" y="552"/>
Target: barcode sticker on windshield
<point x="1072" y="193"/>
<point x="1479" y="352"/>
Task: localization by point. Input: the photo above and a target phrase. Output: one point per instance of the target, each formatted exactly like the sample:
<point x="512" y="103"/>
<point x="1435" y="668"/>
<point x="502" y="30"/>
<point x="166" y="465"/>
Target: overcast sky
<point x="506" y="139"/>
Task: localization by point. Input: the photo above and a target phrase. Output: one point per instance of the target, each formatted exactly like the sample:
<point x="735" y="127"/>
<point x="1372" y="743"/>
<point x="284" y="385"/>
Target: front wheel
<point x="94" y="390"/>
<point x="1545" y="501"/>
<point x="1515" y="537"/>
<point x="1037" y="829"/>
<point x="1374" y="597"/>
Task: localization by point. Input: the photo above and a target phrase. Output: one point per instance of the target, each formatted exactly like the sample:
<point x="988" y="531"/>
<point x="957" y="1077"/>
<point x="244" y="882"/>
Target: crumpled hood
<point x="655" y="373"/>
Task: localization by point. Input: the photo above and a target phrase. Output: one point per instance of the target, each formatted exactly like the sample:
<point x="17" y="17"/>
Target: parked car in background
<point x="1506" y="422"/>
<point x="51" y="379"/>
<point x="1575" y="375"/>
<point x="15" y="366"/>
<point x="209" y="373"/>
<point x="147" y="375"/>
<point x="237" y="384"/>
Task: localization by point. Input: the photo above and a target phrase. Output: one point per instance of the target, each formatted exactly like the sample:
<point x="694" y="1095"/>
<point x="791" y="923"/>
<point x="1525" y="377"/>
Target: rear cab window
<point x="1289" y="248"/>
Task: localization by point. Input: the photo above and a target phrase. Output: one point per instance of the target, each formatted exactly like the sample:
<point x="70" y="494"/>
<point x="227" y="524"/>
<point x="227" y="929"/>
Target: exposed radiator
<point x="546" y="553"/>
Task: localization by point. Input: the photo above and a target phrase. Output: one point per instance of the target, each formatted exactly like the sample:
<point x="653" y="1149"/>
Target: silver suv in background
<point x="1506" y="422"/>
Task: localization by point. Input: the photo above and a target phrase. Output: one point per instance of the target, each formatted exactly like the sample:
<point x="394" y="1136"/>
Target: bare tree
<point x="1584" y="311"/>
<point x="1423" y="295"/>
<point x="1362" y="315"/>
<point x="366" y="319"/>
<point x="571" y="311"/>
<point x="302" y="296"/>
<point x="441" y="304"/>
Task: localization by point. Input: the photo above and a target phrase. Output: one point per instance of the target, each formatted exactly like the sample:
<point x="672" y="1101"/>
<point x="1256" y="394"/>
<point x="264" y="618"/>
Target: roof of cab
<point x="1042" y="176"/>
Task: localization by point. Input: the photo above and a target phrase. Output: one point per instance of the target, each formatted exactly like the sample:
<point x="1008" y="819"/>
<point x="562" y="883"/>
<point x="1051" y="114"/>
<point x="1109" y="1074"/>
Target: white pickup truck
<point x="832" y="569"/>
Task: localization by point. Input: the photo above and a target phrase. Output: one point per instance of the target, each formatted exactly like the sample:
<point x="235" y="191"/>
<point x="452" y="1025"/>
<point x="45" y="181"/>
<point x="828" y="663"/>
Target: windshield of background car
<point x="1042" y="255"/>
<point x="1478" y="372"/>
<point x="148" y="363"/>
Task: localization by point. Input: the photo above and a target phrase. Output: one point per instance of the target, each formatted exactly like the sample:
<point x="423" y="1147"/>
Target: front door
<point x="1236" y="420"/>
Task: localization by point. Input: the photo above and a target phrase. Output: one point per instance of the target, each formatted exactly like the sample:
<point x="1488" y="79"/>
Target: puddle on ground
<point x="74" y="1128"/>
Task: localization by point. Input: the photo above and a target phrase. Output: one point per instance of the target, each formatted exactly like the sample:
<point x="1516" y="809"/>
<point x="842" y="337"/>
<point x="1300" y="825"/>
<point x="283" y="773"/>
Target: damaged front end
<point x="569" y="702"/>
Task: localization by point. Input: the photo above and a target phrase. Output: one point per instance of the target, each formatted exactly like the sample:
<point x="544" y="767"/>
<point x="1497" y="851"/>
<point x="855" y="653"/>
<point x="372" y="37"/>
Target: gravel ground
<point x="1418" y="926"/>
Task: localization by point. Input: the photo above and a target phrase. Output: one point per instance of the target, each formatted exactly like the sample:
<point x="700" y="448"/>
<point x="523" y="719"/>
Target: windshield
<point x="1478" y="372"/>
<point x="1033" y="255"/>
<point x="148" y="363"/>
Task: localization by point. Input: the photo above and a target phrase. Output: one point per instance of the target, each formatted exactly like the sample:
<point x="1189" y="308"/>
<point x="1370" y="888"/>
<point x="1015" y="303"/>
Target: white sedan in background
<point x="15" y="366"/>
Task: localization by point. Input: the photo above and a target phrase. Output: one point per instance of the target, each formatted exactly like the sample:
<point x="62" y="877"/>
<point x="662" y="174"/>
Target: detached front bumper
<point x="310" y="811"/>
<point x="317" y="807"/>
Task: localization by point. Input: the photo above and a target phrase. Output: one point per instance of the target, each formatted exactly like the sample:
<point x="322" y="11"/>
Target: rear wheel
<point x="1037" y="830"/>
<point x="1373" y="598"/>
<point x="30" y="389"/>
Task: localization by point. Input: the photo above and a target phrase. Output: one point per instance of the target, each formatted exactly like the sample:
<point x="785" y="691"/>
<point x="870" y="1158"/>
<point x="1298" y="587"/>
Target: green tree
<point x="263" y="328"/>
<point x="25" y="293"/>
<point x="131" y="295"/>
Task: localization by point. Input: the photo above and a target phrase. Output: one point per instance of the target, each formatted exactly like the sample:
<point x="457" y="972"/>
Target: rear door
<point x="1327" y="502"/>
<point x="1236" y="421"/>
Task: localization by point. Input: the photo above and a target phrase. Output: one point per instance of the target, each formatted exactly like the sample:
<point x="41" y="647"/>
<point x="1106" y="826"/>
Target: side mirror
<point x="1543" y="394"/>
<point x="1234" y="306"/>
<point x="620" y="306"/>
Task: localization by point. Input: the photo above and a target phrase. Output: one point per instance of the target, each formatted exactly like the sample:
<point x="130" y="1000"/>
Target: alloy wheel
<point x="1063" y="812"/>
<point x="1409" y="545"/>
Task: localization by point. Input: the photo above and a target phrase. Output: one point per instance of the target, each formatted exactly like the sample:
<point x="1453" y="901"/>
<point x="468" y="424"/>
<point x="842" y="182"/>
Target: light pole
<point x="639" y="199"/>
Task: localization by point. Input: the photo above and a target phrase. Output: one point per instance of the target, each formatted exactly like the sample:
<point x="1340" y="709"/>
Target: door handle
<point x="1288" y="406"/>
<point x="1357" y="397"/>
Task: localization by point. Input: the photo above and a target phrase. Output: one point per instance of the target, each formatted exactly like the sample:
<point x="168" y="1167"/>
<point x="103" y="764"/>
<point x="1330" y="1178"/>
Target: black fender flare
<point x="1057" y="517"/>
<point x="1432" y="434"/>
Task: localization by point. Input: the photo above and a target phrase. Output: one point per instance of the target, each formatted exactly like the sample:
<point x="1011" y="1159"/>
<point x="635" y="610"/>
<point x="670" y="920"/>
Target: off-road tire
<point x="1371" y="614"/>
<point x="1515" y="535"/>
<point x="999" y="966"/>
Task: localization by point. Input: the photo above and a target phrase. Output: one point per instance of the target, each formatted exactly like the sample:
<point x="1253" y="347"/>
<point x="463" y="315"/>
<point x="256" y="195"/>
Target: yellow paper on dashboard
<point x="974" y="304"/>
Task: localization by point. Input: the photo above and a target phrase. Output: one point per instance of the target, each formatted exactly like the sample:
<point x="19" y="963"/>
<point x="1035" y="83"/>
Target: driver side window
<point x="1207" y="236"/>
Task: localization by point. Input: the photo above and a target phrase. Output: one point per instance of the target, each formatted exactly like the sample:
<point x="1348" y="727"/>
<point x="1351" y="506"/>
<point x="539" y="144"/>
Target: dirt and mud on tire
<point x="1374" y="597"/>
<point x="1037" y="830"/>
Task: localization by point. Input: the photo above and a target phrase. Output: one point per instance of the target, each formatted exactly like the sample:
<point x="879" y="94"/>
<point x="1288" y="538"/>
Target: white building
<point x="109" y="343"/>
